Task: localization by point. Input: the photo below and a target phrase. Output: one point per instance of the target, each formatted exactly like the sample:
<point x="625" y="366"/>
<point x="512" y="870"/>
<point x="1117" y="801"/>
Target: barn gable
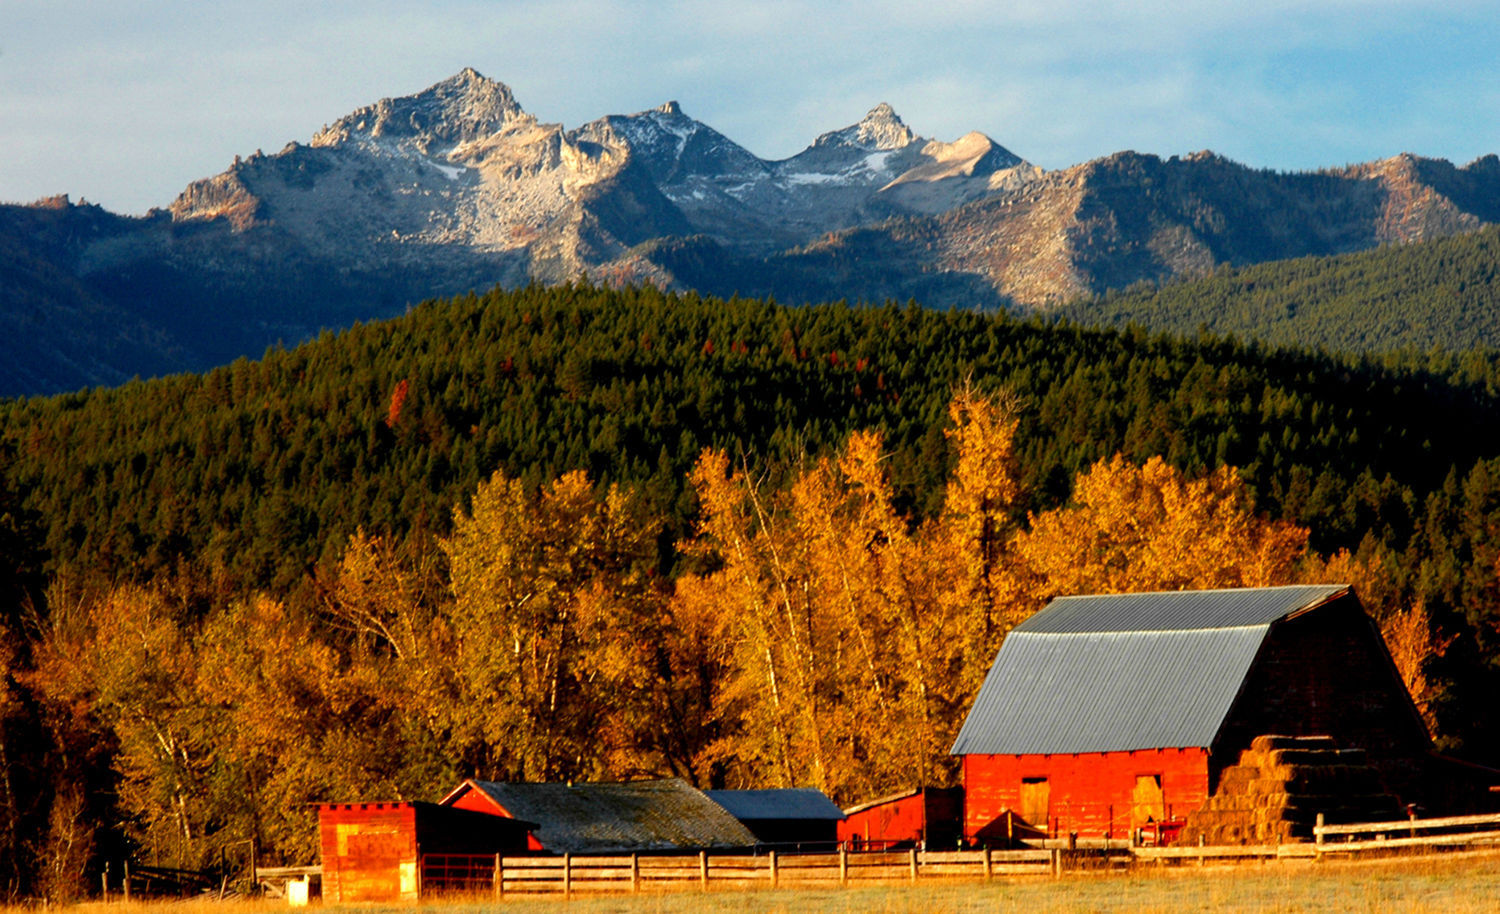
<point x="599" y="818"/>
<point x="1126" y="672"/>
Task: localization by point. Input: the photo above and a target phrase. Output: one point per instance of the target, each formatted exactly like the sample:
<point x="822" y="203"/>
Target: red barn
<point x="374" y="851"/>
<point x="1104" y="714"/>
<point x="925" y="817"/>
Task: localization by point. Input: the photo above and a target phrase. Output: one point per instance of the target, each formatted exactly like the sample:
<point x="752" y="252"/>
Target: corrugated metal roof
<point x="596" y="818"/>
<point x="1122" y="672"/>
<point x="786" y="803"/>
<point x="1177" y="610"/>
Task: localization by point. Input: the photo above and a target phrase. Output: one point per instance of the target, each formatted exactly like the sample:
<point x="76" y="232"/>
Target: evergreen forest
<point x="580" y="532"/>
<point x="1434" y="295"/>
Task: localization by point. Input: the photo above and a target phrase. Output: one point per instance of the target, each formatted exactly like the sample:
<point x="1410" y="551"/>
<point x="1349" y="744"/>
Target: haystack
<point x="1281" y="784"/>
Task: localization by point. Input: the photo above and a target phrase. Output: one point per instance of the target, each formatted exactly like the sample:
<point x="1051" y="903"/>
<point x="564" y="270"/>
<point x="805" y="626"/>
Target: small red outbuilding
<point x="375" y="851"/>
<point x="925" y="817"/>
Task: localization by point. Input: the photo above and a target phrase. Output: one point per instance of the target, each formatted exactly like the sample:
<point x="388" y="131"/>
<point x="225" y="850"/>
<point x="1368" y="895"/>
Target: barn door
<point x="1036" y="801"/>
<point x="1148" y="801"/>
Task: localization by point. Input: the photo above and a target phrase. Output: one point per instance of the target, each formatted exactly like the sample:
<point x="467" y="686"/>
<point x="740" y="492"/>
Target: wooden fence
<point x="569" y="875"/>
<point x="1406" y="833"/>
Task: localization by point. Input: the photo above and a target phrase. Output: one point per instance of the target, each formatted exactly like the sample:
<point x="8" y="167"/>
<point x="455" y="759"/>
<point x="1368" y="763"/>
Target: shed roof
<point x="1120" y="672"/>
<point x="667" y="814"/>
<point x="782" y="803"/>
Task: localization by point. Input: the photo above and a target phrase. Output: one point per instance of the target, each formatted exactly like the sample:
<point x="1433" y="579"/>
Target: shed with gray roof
<point x="666" y="815"/>
<point x="792" y="818"/>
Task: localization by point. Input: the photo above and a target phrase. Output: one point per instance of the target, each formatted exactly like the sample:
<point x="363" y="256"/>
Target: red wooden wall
<point x="1091" y="794"/>
<point x="932" y="815"/>
<point x="885" y="825"/>
<point x="369" y="851"/>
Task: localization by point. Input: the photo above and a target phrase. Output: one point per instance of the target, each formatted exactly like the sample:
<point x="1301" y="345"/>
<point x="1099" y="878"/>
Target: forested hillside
<point x="571" y="532"/>
<point x="1442" y="294"/>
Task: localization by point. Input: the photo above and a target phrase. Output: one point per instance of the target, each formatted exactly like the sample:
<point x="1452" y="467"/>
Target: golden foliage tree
<point x="125" y="658"/>
<point x="552" y="616"/>
<point x="1141" y="528"/>
<point x="854" y="635"/>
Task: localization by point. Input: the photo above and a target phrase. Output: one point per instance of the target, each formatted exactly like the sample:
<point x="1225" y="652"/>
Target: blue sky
<point x="125" y="103"/>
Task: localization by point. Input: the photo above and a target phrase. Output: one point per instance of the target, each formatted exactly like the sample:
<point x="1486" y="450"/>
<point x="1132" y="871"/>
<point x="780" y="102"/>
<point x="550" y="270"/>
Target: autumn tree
<point x="555" y="623"/>
<point x="855" y="632"/>
<point x="1149" y="527"/>
<point x="124" y="659"/>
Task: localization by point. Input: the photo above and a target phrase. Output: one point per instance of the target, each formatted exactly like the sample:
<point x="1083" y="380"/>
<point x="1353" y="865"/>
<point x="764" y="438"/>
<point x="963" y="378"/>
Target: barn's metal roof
<point x="584" y="818"/>
<point x="785" y="803"/>
<point x="1177" y="610"/>
<point x="1129" y="671"/>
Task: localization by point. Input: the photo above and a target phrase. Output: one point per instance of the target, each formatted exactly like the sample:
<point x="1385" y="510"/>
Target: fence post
<point x="1318" y="838"/>
<point x="635" y="873"/>
<point x="125" y="880"/>
<point x="914" y="864"/>
<point x="703" y="868"/>
<point x="567" y="875"/>
<point x="499" y="877"/>
<point x="775" y="878"/>
<point x="843" y="867"/>
<point x="1056" y="863"/>
<point x="1202" y="856"/>
<point x="989" y="867"/>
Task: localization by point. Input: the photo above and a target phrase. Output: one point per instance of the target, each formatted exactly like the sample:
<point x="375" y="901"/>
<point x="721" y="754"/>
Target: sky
<point x="124" y="103"/>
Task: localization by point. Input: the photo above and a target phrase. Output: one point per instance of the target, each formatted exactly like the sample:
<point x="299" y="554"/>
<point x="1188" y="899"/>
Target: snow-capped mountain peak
<point x="880" y="130"/>
<point x="462" y="108"/>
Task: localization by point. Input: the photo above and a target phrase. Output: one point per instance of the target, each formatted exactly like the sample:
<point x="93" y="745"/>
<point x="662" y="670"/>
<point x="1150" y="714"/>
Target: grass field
<point x="1450" y="884"/>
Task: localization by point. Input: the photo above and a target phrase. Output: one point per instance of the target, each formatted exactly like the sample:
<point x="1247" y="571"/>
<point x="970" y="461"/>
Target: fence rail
<point x="569" y="875"/>
<point x="1455" y="830"/>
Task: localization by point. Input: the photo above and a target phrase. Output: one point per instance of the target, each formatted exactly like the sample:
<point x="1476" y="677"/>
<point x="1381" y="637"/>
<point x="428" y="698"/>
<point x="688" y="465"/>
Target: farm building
<point x="789" y="818"/>
<point x="1103" y="715"/>
<point x="605" y="818"/>
<point x="924" y="817"/>
<point x="374" y="851"/>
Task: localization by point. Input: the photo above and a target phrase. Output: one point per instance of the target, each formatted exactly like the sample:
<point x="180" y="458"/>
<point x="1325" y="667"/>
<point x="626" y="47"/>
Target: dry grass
<point x="1449" y="884"/>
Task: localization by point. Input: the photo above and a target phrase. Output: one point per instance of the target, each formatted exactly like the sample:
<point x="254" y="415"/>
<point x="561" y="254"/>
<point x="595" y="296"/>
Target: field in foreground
<point x="1452" y="884"/>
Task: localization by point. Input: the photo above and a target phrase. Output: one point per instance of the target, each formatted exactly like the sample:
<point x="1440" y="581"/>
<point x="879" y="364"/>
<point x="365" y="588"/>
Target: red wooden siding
<point x="1091" y="794"/>
<point x="896" y="821"/>
<point x="369" y="851"/>
<point x="932" y="815"/>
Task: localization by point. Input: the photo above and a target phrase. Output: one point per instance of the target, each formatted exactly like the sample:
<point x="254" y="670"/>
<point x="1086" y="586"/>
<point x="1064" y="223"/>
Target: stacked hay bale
<point x="1279" y="786"/>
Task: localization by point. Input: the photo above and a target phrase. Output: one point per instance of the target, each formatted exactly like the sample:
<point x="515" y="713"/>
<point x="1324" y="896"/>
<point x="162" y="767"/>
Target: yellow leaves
<point x="550" y="603"/>
<point x="1133" y="528"/>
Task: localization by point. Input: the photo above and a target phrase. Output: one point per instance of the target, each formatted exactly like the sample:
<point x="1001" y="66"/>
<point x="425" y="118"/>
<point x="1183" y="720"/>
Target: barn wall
<point x="369" y="852"/>
<point x="933" y="815"/>
<point x="1327" y="673"/>
<point x="1091" y="794"/>
<point x="897" y="821"/>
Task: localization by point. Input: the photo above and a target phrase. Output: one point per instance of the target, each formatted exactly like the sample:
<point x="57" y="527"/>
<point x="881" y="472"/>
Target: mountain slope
<point x="1440" y="294"/>
<point x="457" y="187"/>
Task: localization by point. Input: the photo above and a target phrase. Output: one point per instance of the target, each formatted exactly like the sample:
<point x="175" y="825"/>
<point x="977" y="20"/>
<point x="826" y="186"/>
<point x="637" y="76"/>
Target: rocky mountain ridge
<point x="458" y="187"/>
